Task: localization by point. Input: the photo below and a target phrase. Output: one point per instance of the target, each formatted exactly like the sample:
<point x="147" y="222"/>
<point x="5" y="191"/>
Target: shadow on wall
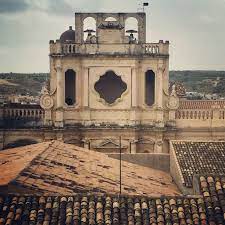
<point x="20" y="143"/>
<point x="18" y="122"/>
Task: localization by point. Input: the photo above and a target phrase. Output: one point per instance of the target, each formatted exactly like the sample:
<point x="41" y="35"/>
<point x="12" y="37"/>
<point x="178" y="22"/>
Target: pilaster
<point x="59" y="92"/>
<point x="59" y="97"/>
<point x="85" y="86"/>
<point x="159" y="87"/>
<point x="134" y="91"/>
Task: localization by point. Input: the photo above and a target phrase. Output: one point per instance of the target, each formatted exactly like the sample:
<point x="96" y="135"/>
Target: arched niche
<point x="149" y="87"/>
<point x="70" y="87"/>
<point x="131" y="23"/>
<point x="89" y="23"/>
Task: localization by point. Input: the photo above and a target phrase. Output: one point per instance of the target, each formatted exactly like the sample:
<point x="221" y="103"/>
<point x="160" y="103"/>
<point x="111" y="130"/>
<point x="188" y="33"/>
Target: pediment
<point x="109" y="144"/>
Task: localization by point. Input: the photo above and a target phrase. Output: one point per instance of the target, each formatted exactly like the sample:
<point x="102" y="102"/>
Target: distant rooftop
<point x="199" y="157"/>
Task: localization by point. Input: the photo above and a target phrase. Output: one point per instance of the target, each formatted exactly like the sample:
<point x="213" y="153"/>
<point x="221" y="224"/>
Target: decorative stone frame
<point x="77" y="94"/>
<point x="154" y="105"/>
<point x="103" y="100"/>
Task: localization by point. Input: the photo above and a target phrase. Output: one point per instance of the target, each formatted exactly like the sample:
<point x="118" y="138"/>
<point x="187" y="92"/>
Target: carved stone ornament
<point x="159" y="143"/>
<point x="173" y="102"/>
<point x="46" y="102"/>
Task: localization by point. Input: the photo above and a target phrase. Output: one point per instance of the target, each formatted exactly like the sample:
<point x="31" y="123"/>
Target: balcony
<point x="161" y="49"/>
<point x="200" y="113"/>
<point x="17" y="115"/>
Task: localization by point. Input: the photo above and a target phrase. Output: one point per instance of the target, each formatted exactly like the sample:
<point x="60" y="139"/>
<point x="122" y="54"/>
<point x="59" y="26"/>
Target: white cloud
<point x="194" y="28"/>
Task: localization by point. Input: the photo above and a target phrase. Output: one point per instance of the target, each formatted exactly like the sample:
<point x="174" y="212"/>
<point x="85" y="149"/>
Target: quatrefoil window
<point x="110" y="87"/>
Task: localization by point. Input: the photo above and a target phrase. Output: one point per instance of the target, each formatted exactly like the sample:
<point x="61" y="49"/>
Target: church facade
<point x="106" y="82"/>
<point x="110" y="80"/>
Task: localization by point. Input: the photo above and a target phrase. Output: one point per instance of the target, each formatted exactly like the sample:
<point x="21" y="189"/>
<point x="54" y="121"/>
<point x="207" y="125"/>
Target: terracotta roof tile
<point x="199" y="158"/>
<point x="55" y="167"/>
<point x="103" y="209"/>
<point x="213" y="191"/>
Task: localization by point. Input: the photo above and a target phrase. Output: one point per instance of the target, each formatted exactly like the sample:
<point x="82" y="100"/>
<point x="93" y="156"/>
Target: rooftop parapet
<point x="160" y="48"/>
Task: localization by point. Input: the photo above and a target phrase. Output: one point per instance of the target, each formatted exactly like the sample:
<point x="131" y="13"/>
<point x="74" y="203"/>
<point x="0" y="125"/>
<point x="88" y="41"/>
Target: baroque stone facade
<point x="110" y="80"/>
<point x="111" y="83"/>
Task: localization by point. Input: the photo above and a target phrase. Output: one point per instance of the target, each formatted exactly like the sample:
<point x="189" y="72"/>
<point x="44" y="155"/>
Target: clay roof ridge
<point x="30" y="163"/>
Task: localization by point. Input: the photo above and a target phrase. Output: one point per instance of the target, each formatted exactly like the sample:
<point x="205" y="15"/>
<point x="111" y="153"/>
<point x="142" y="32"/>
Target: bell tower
<point x="107" y="76"/>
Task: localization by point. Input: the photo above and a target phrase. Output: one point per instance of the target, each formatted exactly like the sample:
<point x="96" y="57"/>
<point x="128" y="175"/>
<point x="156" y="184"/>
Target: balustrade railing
<point x="201" y="110"/>
<point x="23" y="113"/>
<point x="161" y="48"/>
<point x="20" y="111"/>
<point x="151" y="48"/>
<point x="194" y="114"/>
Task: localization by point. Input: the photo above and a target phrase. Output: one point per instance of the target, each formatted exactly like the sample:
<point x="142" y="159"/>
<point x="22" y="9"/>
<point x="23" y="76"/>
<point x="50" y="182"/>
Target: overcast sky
<point x="195" y="29"/>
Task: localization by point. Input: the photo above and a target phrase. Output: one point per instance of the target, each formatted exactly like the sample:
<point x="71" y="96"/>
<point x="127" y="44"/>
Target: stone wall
<point x="155" y="161"/>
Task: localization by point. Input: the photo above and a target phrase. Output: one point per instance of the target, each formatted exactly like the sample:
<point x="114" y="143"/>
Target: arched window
<point x="149" y="87"/>
<point x="131" y="24"/>
<point x="89" y="24"/>
<point x="70" y="87"/>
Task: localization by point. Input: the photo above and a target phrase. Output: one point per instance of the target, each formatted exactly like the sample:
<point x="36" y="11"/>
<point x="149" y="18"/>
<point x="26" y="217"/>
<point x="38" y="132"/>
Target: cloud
<point x="13" y="6"/>
<point x="194" y="29"/>
<point x="64" y="8"/>
<point x="58" y="7"/>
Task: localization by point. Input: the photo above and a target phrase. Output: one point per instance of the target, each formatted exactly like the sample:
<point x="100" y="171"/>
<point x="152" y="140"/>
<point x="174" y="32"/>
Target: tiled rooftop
<point x="199" y="158"/>
<point x="99" y="210"/>
<point x="213" y="191"/>
<point x="58" y="168"/>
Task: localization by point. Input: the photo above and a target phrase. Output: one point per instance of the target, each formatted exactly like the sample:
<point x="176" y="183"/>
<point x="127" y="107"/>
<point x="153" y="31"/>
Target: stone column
<point x="59" y="98"/>
<point x="85" y="86"/>
<point x="159" y="88"/>
<point x="134" y="91"/>
<point x="79" y="28"/>
<point x="59" y="93"/>
<point x="142" y="28"/>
